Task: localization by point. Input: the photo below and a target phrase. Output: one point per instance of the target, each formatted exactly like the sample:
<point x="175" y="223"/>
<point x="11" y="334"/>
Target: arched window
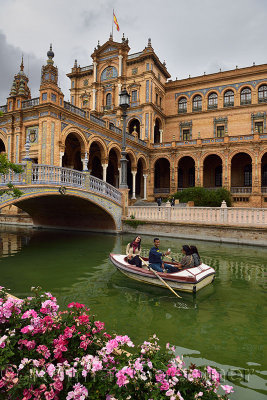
<point x="182" y="105"/>
<point x="197" y="103"/>
<point x="248" y="175"/>
<point x="212" y="101"/>
<point x="245" y="96"/>
<point x="262" y="94"/>
<point x="228" y="99"/>
<point x="108" y="100"/>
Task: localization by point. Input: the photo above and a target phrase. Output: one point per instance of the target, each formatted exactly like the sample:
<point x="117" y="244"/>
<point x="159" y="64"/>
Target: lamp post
<point x="124" y="104"/>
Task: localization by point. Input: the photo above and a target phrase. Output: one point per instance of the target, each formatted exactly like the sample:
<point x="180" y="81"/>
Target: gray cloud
<point x="10" y="60"/>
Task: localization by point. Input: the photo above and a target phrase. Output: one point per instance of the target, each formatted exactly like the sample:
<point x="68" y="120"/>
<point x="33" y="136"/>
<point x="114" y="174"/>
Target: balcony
<point x="212" y="106"/>
<point x="245" y="102"/>
<point x="161" y="190"/>
<point x="74" y="109"/>
<point x="228" y="104"/>
<point x="241" y="189"/>
<point x="108" y="108"/>
<point x="197" y="109"/>
<point x="30" y="103"/>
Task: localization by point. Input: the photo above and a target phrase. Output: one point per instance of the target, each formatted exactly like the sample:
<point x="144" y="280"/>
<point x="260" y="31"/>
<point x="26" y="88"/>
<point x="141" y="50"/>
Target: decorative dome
<point x="50" y="53"/>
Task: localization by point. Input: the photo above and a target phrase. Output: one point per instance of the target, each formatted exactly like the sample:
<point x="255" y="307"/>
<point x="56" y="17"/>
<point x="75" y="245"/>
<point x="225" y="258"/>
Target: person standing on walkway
<point x="173" y="202"/>
<point x="155" y="259"/>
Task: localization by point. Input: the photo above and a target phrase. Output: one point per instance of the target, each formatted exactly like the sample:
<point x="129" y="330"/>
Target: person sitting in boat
<point x="155" y="259"/>
<point x="133" y="251"/>
<point x="195" y="256"/>
<point x="187" y="261"/>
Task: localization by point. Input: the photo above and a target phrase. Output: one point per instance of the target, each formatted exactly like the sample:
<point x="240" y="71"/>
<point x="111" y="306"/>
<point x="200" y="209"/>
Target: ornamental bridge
<point x="57" y="197"/>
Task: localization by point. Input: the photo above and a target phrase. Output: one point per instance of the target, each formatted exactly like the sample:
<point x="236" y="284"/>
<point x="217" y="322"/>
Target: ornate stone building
<point x="206" y="131"/>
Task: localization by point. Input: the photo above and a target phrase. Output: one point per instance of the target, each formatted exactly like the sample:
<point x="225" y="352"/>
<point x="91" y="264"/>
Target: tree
<point x="6" y="167"/>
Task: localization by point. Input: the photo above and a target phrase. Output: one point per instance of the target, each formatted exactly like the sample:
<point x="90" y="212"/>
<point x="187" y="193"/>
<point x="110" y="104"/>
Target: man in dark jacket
<point x="155" y="258"/>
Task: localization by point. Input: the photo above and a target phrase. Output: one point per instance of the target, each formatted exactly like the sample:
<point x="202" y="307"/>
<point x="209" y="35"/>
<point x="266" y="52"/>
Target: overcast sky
<point x="192" y="36"/>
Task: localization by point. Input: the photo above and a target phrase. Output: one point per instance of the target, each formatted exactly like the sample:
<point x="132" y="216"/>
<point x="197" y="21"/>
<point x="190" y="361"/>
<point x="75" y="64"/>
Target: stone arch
<point x="3" y="145"/>
<point x="246" y="151"/>
<point x="212" y="170"/>
<point x="114" y="155"/>
<point x="210" y="91"/>
<point x="241" y="169"/>
<point x="134" y="125"/>
<point x="264" y="169"/>
<point x="108" y="72"/>
<point x="162" y="170"/>
<point x="197" y="107"/>
<point x="157" y="158"/>
<point x="102" y="145"/>
<point x="244" y="86"/>
<point x="229" y="88"/>
<point x="87" y="212"/>
<point x="181" y="96"/>
<point x="186" y="171"/>
<point x="73" y="149"/>
<point x="132" y="157"/>
<point x="142" y="158"/>
<point x="77" y="132"/>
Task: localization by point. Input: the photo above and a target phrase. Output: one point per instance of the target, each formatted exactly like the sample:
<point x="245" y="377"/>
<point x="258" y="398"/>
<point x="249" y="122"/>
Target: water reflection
<point x="223" y="325"/>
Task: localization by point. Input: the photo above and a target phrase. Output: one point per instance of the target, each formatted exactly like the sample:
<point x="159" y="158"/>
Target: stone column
<point x="85" y="162"/>
<point x="160" y="135"/>
<point x="61" y="154"/>
<point x="119" y="169"/>
<point x="94" y="98"/>
<point x="145" y="178"/>
<point x="104" y="166"/>
<point x="120" y="64"/>
<point x="134" y="183"/>
<point x="94" y="66"/>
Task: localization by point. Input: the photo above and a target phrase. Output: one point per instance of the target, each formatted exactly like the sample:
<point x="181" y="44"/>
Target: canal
<point x="223" y="326"/>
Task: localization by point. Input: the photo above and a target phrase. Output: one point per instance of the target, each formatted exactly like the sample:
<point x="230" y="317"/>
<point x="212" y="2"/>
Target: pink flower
<point x="29" y="313"/>
<point x="76" y="305"/>
<point x="171" y="371"/>
<point x="51" y="370"/>
<point x="164" y="386"/>
<point x="58" y="385"/>
<point x="121" y="379"/>
<point x="79" y="393"/>
<point x="227" y="388"/>
<point x="100" y="325"/>
<point x="196" y="373"/>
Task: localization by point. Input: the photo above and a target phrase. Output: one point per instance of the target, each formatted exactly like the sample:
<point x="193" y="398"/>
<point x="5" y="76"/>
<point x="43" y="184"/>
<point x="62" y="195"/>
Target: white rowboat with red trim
<point x="187" y="280"/>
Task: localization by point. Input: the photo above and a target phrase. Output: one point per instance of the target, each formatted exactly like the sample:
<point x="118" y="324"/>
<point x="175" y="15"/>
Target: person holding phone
<point x="155" y="259"/>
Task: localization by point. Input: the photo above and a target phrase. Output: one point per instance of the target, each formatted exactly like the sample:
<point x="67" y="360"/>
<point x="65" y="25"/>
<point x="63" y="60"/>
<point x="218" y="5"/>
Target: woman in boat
<point x="187" y="261"/>
<point x="133" y="251"/>
<point x="195" y="256"/>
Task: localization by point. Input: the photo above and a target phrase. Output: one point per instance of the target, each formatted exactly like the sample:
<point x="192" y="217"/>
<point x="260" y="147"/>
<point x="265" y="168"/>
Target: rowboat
<point x="187" y="280"/>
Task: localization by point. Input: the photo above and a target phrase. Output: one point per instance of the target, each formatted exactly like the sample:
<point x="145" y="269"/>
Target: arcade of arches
<point x="239" y="172"/>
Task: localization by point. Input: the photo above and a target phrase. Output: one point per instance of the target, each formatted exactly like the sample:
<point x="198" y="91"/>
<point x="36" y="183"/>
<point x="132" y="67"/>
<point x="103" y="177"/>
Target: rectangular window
<point x="53" y="97"/>
<point x="259" y="127"/>
<point x="60" y="101"/>
<point x="147" y="66"/>
<point x="134" y="71"/>
<point x="18" y="103"/>
<point x="134" y="95"/>
<point x="72" y="100"/>
<point x="151" y="67"/>
<point x="160" y="101"/>
<point x="186" y="134"/>
<point x="10" y="105"/>
<point x="72" y="84"/>
<point x="220" y="131"/>
<point x="157" y="98"/>
<point x="44" y="96"/>
<point x="159" y="77"/>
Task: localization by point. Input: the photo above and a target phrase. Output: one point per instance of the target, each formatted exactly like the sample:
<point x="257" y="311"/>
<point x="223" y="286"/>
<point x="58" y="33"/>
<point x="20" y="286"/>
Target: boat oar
<point x="160" y="278"/>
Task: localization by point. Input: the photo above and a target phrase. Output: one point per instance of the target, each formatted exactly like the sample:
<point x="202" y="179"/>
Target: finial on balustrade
<point x="85" y="161"/>
<point x="27" y="147"/>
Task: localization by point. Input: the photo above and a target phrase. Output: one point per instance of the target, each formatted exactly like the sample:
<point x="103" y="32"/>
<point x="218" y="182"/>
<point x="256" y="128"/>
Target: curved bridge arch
<point x="66" y="199"/>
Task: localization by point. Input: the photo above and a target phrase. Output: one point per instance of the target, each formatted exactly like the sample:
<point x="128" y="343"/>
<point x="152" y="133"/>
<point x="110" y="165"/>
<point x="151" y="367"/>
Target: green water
<point x="223" y="326"/>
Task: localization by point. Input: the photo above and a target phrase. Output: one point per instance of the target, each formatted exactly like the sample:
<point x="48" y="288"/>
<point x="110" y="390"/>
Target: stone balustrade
<point x="37" y="174"/>
<point x="203" y="215"/>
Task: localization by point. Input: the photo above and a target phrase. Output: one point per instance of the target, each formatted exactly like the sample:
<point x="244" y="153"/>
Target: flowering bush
<point x="50" y="354"/>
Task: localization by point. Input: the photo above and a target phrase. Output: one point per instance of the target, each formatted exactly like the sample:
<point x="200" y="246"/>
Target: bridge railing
<point x="14" y="178"/>
<point x="46" y="174"/>
<point x="38" y="174"/>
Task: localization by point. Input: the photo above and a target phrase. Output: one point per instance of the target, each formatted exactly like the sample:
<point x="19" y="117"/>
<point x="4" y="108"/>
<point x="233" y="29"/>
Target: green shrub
<point x="134" y="222"/>
<point x="204" y="197"/>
